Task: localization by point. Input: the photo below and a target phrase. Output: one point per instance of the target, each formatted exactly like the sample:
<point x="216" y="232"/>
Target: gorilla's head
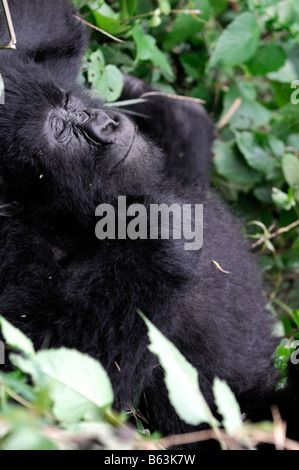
<point x="75" y="126"/>
<point x="62" y="147"/>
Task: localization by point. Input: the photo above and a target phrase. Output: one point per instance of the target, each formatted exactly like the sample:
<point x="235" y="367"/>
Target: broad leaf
<point x="281" y="199"/>
<point x="186" y="25"/>
<point x="268" y="58"/>
<point x="251" y="114"/>
<point x="238" y="42"/>
<point x="256" y="156"/>
<point x="227" y="406"/>
<point x="78" y="384"/>
<point x="290" y="168"/>
<point x="16" y="339"/>
<point x="181" y="379"/>
<point x="232" y="165"/>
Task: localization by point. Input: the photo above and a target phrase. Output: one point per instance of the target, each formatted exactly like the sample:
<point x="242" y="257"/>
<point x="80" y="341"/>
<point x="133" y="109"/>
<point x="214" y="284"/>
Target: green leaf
<point x="291" y="261"/>
<point x="293" y="141"/>
<point x="181" y="379"/>
<point x="282" y="354"/>
<point x="80" y="3"/>
<point x="127" y="8"/>
<point x="144" y="44"/>
<point x="107" y="80"/>
<point x="282" y="199"/>
<point x="286" y="74"/>
<point x="231" y="165"/>
<point x="273" y="144"/>
<point x="263" y="194"/>
<point x="268" y="58"/>
<point x="187" y="26"/>
<point x="244" y="90"/>
<point x="17" y="382"/>
<point x="281" y="93"/>
<point x="192" y="65"/>
<point x="165" y="6"/>
<point x="219" y="6"/>
<point x="290" y="168"/>
<point x="159" y="59"/>
<point x="238" y="42"/>
<point x="256" y="156"/>
<point x="155" y="20"/>
<point x="147" y="50"/>
<point x="227" y="406"/>
<point x="27" y="438"/>
<point x="251" y="114"/>
<point x="78" y="384"/>
<point x="111" y="85"/>
<point x="110" y="25"/>
<point x="95" y="65"/>
<point x="290" y="111"/>
<point x="16" y="339"/>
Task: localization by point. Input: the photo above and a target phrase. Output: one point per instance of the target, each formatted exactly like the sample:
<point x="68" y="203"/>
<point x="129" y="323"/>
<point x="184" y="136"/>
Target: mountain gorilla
<point x="62" y="153"/>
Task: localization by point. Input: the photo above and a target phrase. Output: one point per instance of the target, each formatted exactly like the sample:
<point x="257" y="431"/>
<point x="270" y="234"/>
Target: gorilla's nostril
<point x="100" y="126"/>
<point x="110" y="126"/>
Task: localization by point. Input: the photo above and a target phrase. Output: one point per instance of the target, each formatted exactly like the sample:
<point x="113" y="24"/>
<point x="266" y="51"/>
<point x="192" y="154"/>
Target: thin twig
<point x="98" y="29"/>
<point x="192" y="437"/>
<point x="261" y="436"/>
<point x="285" y="229"/>
<point x="18" y="398"/>
<point x="230" y="113"/>
<point x="174" y="97"/>
<point x="275" y="234"/>
<point x="187" y="12"/>
<point x="284" y="307"/>
<point x="153" y="12"/>
<point x="256" y="436"/>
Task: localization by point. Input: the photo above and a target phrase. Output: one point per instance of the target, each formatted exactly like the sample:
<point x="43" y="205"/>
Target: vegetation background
<point x="242" y="59"/>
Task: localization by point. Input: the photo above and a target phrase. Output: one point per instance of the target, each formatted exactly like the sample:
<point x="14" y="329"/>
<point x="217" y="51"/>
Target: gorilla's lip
<point x="127" y="153"/>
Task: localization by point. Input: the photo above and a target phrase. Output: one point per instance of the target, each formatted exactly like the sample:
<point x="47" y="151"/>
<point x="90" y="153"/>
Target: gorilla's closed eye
<point x="58" y="125"/>
<point x="66" y="119"/>
<point x="60" y="128"/>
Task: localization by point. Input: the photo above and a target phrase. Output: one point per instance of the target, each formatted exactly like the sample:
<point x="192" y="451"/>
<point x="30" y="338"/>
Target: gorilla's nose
<point x="100" y="127"/>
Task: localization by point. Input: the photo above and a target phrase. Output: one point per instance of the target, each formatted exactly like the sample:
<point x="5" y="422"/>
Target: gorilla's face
<point x="75" y="127"/>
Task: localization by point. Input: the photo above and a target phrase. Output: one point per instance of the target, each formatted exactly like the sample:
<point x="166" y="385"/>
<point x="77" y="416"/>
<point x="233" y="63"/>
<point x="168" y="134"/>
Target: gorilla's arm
<point x="181" y="128"/>
<point x="56" y="39"/>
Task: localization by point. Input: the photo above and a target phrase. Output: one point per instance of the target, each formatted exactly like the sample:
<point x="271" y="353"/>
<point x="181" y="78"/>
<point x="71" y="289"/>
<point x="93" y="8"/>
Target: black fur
<point x="62" y="286"/>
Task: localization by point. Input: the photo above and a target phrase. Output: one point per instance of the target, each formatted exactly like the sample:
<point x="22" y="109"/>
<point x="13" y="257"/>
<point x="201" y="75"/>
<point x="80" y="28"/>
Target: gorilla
<point x="62" y="154"/>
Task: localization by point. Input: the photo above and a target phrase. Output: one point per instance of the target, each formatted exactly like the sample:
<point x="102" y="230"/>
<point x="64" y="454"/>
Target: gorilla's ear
<point x="10" y="210"/>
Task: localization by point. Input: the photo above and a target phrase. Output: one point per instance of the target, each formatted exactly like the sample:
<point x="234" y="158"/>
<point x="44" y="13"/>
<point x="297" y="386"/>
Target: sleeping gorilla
<point x="62" y="153"/>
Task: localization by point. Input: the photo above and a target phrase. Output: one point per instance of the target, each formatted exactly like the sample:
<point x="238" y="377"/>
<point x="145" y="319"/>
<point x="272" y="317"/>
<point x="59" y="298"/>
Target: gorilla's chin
<point x="130" y="153"/>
